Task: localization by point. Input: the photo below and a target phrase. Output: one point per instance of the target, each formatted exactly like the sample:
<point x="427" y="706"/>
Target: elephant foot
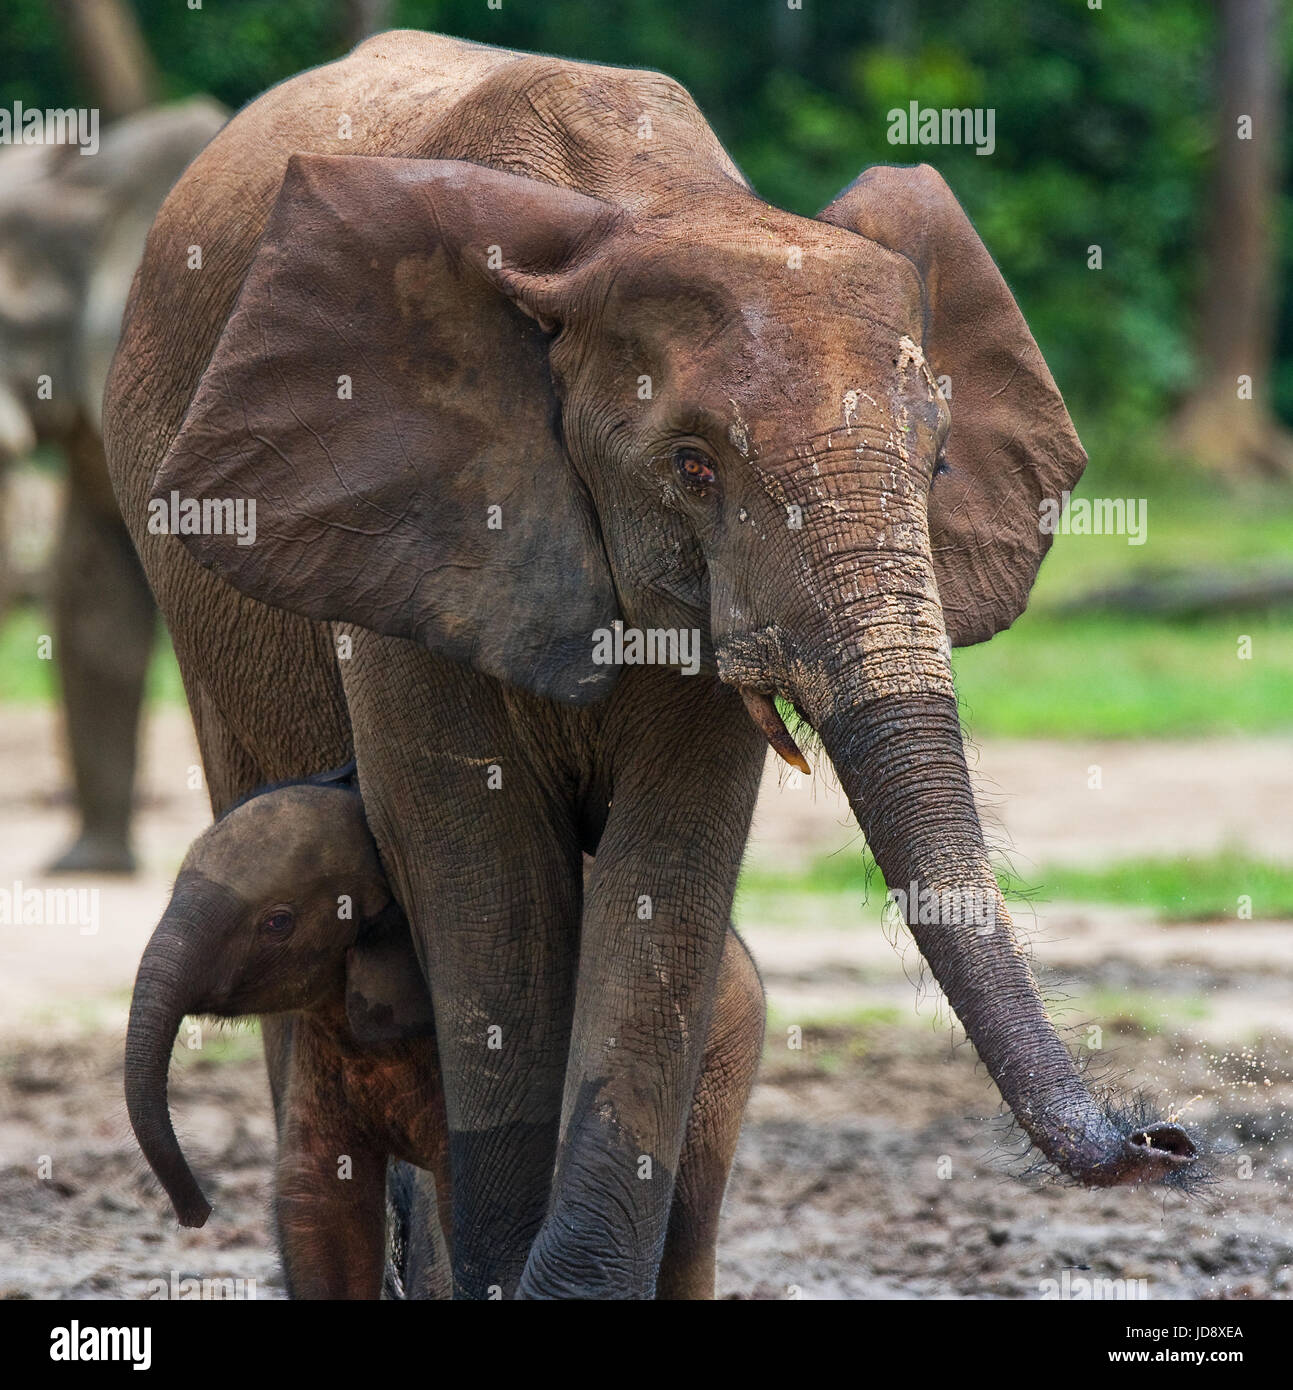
<point x="95" y="854"/>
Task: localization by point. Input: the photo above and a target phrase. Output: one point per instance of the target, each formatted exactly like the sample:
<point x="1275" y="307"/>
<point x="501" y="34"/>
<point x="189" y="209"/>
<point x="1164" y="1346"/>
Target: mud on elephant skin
<point x="72" y="230"/>
<point x="282" y="908"/>
<point x="689" y="410"/>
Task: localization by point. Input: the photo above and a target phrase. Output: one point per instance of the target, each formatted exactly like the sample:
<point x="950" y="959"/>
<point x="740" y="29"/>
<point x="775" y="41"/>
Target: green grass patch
<point x="1059" y="675"/>
<point x="1188" y="888"/>
<point x="769" y="901"/>
<point x="1049" y="677"/>
<point x="827" y="1039"/>
<point x="84" y="1018"/>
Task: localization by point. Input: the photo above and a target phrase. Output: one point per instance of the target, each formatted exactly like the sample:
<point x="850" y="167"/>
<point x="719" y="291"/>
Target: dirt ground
<point x="875" y="1161"/>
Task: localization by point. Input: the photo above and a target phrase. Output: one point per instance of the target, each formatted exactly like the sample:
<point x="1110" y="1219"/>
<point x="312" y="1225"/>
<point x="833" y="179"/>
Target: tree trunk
<point x="1227" y="422"/>
<point x="110" y="54"/>
<point x="365" y="18"/>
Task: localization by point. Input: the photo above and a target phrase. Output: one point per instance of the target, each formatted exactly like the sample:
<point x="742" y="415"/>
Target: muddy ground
<point x="874" y="1162"/>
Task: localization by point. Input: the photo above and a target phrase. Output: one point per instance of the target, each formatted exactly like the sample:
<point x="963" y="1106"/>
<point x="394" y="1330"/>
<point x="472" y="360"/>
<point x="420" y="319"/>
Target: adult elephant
<point x="72" y="229"/>
<point x="506" y="351"/>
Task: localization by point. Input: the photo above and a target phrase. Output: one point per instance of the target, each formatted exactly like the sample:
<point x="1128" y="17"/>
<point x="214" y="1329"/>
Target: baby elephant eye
<point x="278" y="923"/>
<point x="693" y="468"/>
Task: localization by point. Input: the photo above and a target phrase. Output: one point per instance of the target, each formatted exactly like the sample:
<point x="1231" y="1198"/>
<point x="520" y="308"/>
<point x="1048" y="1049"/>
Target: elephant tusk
<point x="763" y="711"/>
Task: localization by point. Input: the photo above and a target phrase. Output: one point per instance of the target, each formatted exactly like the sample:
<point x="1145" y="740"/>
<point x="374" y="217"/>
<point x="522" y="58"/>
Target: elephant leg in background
<point x="481" y="847"/>
<point x="685" y="765"/>
<point x="733" y="1050"/>
<point x="104" y="620"/>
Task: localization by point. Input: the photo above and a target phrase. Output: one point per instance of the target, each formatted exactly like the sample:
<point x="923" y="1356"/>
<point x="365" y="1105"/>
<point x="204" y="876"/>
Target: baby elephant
<point x="281" y="908"/>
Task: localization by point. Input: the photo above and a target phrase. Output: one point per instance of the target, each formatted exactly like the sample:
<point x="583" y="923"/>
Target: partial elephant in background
<point x="518" y="376"/>
<point x="72" y="230"/>
<point x="269" y="905"/>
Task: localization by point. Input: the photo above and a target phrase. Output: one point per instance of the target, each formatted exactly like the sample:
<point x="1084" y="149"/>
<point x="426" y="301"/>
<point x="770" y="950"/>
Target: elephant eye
<point x="278" y="923"/>
<point x="693" y="468"/>
<point x="941" y="465"/>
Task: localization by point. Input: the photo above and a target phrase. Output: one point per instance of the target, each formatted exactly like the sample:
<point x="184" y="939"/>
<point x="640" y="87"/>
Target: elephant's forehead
<point x="796" y="374"/>
<point x="790" y="388"/>
<point x="788" y="269"/>
<point x="781" y="332"/>
<point x="285" y="842"/>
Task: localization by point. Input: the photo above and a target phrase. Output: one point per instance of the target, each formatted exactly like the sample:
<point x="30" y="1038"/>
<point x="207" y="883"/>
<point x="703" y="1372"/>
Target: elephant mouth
<point x="762" y="709"/>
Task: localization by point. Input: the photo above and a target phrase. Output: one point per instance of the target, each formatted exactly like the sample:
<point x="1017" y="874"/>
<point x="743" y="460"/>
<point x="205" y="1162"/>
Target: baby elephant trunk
<point x="176" y="957"/>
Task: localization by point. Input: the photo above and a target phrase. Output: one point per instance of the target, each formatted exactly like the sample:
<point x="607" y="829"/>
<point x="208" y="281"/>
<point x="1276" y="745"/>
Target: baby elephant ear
<point x="1012" y="446"/>
<point x="381" y="394"/>
<point x="386" y="996"/>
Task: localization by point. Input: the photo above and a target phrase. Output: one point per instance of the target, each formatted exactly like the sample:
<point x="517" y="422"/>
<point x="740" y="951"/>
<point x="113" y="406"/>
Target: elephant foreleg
<point x="654" y="922"/>
<point x="487" y="865"/>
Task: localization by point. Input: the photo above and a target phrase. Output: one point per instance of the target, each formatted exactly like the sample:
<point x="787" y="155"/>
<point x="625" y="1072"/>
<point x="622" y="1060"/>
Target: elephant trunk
<point x="163" y="995"/>
<point x="902" y="764"/>
<point x="866" y="659"/>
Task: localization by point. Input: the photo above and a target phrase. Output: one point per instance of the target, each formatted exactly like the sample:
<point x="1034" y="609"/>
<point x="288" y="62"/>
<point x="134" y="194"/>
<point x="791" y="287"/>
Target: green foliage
<point x="1104" y="126"/>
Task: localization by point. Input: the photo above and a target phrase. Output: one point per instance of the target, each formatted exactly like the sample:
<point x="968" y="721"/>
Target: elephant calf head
<point x="280" y="907"/>
<point x="493" y="415"/>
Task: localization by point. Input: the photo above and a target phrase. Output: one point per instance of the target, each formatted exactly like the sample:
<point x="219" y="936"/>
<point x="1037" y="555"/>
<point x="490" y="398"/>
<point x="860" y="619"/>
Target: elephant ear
<point x="386" y="995"/>
<point x="381" y="393"/>
<point x="1012" y="445"/>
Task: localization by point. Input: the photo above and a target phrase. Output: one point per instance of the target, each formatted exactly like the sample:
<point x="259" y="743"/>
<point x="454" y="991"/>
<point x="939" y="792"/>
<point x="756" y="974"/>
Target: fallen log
<point x="1179" y="594"/>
